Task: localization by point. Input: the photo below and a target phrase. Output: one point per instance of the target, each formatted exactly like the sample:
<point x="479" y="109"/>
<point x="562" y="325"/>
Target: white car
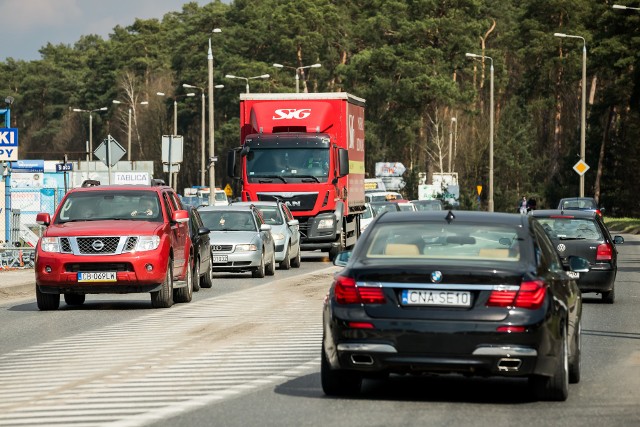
<point x="366" y="217"/>
<point x="284" y="228"/>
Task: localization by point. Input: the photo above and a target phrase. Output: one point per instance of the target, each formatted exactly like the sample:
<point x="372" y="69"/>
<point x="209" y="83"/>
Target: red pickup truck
<point x="115" y="239"/>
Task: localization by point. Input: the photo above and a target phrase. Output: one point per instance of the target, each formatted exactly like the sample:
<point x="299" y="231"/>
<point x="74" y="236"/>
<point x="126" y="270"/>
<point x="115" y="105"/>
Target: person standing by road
<point x="523" y="205"/>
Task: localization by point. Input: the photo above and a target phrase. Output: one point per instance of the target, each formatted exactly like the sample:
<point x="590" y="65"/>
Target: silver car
<point x="285" y="229"/>
<point x="240" y="239"/>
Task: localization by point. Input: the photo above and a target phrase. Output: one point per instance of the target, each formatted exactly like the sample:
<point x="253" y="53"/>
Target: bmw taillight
<point x="347" y="292"/>
<point x="604" y="252"/>
<point x="530" y="295"/>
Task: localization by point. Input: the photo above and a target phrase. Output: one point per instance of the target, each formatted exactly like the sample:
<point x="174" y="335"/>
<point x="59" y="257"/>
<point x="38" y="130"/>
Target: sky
<point x="28" y="25"/>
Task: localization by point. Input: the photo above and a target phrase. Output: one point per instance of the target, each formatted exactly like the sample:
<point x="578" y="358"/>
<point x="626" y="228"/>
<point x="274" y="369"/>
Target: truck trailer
<point x="306" y="149"/>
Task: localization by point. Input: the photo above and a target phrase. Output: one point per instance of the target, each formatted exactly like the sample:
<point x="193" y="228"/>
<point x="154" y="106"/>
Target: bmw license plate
<point x="102" y="276"/>
<point x="436" y="297"/>
<point x="573" y="274"/>
<point x="219" y="259"/>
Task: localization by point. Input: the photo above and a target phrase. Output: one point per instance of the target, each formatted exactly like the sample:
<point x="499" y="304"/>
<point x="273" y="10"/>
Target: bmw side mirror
<point x="342" y="258"/>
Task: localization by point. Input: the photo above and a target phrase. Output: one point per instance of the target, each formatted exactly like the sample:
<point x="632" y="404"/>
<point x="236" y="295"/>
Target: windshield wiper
<point x="315" y="178"/>
<point x="272" y="176"/>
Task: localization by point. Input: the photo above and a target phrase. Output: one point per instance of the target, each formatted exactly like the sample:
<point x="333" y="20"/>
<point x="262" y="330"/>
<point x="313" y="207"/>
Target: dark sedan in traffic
<point x="583" y="233"/>
<point x="473" y="293"/>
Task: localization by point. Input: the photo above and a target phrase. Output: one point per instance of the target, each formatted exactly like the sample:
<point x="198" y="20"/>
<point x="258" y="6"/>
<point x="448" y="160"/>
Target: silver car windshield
<point x="228" y="220"/>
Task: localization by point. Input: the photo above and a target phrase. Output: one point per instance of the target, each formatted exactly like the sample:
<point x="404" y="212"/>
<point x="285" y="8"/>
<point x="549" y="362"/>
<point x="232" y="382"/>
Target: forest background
<point x="405" y="57"/>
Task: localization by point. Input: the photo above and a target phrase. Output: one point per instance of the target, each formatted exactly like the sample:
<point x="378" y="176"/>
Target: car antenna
<point x="450" y="217"/>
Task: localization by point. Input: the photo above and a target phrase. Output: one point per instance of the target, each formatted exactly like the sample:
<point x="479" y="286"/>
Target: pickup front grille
<point x="98" y="245"/>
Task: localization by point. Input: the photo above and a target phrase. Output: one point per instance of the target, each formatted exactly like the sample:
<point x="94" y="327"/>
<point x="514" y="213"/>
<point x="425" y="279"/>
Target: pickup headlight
<point x="50" y="244"/>
<point x="326" y="223"/>
<point x="246" y="248"/>
<point x="147" y="243"/>
<point x="278" y="236"/>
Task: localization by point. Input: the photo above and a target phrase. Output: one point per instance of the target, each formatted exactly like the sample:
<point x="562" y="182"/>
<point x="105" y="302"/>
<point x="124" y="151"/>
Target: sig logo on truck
<point x="307" y="150"/>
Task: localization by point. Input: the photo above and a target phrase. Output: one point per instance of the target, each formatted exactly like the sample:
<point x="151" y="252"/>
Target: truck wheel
<point x="74" y="299"/>
<point x="195" y="276"/>
<point x="259" y="272"/>
<point x="295" y="263"/>
<point x="164" y="297"/>
<point x="185" y="294"/>
<point x="285" y="264"/>
<point x="335" y="250"/>
<point x="47" y="302"/>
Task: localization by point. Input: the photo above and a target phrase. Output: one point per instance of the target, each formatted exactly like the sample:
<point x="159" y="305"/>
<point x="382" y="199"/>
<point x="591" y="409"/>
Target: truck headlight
<point x="246" y="248"/>
<point x="147" y="243"/>
<point x="50" y="244"/>
<point x="278" y="236"/>
<point x="326" y="223"/>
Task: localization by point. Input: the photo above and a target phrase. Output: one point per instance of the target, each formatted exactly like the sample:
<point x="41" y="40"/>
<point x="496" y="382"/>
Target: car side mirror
<point x="578" y="264"/>
<point x="203" y="230"/>
<point x="618" y="240"/>
<point x="342" y="258"/>
<point x="43" y="218"/>
<point x="265" y="227"/>
<point x="293" y="222"/>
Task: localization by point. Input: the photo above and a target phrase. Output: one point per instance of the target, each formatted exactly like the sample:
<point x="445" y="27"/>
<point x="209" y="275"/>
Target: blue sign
<point x="8" y="144"/>
<point x="28" y="166"/>
<point x="64" y="167"/>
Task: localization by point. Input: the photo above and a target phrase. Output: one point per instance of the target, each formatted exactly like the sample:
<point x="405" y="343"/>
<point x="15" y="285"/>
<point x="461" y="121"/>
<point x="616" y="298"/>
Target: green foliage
<point x="405" y="57"/>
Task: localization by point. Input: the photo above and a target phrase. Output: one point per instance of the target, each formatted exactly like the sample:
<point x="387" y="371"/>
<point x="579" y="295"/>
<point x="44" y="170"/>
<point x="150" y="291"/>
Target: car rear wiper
<point x="571" y="238"/>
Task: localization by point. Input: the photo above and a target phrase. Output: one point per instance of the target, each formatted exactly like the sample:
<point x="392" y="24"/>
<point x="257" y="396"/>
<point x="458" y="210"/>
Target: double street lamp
<point x="491" y="119"/>
<point x="115" y="101"/>
<point x="583" y="110"/>
<point x="79" y="110"/>
<point x="246" y="79"/>
<point x="298" y="72"/>
<point x="202" y="129"/>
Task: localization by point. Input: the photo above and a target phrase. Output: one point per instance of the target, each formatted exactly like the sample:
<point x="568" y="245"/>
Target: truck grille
<point x="295" y="201"/>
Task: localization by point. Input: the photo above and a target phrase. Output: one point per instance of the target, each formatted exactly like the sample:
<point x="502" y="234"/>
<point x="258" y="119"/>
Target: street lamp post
<point x="453" y="119"/>
<point x="202" y="129"/>
<point x="491" y="119"/>
<point x="115" y="101"/>
<point x="79" y="110"/>
<point x="175" y="131"/>
<point x="212" y="169"/>
<point x="583" y="107"/>
<point x="246" y="79"/>
<point x="298" y="72"/>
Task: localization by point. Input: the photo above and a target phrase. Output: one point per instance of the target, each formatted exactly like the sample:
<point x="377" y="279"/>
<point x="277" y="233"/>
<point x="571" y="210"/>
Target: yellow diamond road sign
<point x="581" y="167"/>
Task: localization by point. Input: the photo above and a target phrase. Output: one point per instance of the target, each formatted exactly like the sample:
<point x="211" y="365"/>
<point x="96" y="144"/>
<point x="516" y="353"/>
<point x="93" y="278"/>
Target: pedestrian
<point x="523" y="205"/>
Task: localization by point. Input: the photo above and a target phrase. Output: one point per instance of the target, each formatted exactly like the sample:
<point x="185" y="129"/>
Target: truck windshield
<point x="288" y="165"/>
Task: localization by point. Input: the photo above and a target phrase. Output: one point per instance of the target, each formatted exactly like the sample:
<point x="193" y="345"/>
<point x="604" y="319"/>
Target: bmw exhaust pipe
<point x="361" y="359"/>
<point x="509" y="364"/>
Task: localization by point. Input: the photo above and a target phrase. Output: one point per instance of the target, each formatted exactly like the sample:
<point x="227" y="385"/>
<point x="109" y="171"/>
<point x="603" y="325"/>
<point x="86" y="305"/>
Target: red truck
<point x="306" y="149"/>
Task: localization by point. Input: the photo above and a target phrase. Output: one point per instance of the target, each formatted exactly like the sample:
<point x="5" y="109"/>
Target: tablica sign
<point x="131" y="178"/>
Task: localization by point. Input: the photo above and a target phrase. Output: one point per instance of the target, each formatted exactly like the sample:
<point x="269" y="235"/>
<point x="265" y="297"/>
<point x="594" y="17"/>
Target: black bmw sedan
<point x="474" y="293"/>
<point x="583" y="233"/>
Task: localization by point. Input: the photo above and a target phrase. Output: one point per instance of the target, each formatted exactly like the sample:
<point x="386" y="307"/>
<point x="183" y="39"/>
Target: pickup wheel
<point x="195" y="276"/>
<point x="74" y="299"/>
<point x="259" y="272"/>
<point x="285" y="264"/>
<point x="47" y="302"/>
<point x="164" y="297"/>
<point x="185" y="294"/>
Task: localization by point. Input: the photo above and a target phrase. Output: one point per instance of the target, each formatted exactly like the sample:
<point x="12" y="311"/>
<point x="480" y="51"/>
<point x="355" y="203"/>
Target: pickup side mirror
<point x="43" y="218"/>
<point x="180" y="216"/>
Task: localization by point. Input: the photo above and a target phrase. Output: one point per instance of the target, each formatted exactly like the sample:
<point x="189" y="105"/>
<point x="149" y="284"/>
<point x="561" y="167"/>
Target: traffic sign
<point x="479" y="188"/>
<point x="109" y="150"/>
<point x="8" y="144"/>
<point x="581" y="167"/>
<point x="389" y="169"/>
<point x="64" y="167"/>
<point x="228" y="191"/>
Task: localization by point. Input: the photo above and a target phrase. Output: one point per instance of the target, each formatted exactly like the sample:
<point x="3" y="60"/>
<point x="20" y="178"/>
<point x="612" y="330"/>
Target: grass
<point x="623" y="225"/>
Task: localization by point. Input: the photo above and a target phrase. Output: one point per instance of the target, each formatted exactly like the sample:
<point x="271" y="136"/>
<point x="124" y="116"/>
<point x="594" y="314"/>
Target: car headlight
<point x="50" y="244"/>
<point x="326" y="223"/>
<point x="278" y="236"/>
<point x="246" y="248"/>
<point x="147" y="243"/>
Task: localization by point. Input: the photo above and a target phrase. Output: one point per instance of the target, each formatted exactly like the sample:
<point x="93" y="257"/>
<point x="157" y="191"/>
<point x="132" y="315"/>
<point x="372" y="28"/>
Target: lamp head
<point x="278" y="65"/>
<point x="560" y="34"/>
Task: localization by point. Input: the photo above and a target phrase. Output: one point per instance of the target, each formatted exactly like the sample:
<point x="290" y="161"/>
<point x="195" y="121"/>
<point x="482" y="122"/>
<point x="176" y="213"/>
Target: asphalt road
<point x="246" y="353"/>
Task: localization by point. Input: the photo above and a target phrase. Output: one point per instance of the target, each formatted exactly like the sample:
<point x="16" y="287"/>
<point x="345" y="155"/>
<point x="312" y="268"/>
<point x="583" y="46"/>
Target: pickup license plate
<point x="103" y="276"/>
<point x="219" y="259"/>
<point x="436" y="297"/>
<point x="573" y="274"/>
